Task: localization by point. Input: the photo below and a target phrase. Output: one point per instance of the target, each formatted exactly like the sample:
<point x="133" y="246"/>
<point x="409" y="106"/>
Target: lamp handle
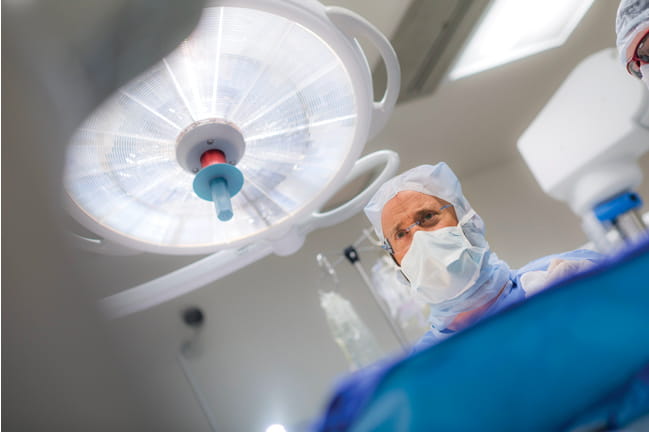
<point x="354" y="26"/>
<point x="388" y="158"/>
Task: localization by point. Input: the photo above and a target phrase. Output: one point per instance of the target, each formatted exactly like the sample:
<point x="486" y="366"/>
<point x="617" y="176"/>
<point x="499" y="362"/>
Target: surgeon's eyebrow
<point x="420" y="214"/>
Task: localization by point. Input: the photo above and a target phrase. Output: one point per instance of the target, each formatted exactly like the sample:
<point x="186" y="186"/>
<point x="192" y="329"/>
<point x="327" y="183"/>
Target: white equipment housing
<point x="583" y="146"/>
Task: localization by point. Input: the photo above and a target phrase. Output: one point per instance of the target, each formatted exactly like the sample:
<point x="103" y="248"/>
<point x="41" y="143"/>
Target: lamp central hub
<point x="206" y="135"/>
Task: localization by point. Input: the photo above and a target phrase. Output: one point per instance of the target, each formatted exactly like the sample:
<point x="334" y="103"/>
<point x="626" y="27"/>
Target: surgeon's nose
<point x="411" y="237"/>
<point x="414" y="229"/>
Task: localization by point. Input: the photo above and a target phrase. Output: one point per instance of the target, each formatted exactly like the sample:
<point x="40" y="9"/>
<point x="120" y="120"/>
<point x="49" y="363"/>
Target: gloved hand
<point x="534" y="281"/>
<point x="560" y="268"/>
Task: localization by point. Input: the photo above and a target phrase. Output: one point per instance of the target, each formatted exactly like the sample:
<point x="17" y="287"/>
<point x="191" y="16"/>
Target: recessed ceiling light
<point x="513" y="29"/>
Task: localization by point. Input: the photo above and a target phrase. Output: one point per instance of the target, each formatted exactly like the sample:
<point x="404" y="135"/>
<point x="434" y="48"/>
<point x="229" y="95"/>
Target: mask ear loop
<point x="388" y="249"/>
<point x="374" y="239"/>
<point x="466" y="217"/>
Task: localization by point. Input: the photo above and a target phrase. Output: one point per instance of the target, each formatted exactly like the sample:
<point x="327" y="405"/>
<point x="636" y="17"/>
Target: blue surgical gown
<point x="513" y="291"/>
<point x="356" y="391"/>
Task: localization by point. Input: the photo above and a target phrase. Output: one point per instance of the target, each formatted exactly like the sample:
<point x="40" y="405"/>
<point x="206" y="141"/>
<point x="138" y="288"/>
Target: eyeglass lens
<point x="640" y="56"/>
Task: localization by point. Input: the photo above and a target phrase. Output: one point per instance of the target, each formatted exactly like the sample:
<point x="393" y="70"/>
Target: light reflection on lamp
<point x="513" y="29"/>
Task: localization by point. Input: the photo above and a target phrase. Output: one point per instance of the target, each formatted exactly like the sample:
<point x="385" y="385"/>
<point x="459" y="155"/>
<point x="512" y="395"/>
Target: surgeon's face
<point x="407" y="208"/>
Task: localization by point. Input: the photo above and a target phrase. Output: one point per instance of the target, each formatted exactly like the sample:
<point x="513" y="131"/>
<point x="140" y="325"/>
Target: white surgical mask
<point x="443" y="264"/>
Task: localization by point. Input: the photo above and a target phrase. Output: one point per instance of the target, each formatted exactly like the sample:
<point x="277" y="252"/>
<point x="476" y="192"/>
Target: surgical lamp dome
<point x="285" y="92"/>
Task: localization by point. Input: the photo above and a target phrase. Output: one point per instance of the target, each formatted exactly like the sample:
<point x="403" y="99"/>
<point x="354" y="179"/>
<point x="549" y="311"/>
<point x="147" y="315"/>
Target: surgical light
<point x="513" y="29"/>
<point x="276" y="428"/>
<point x="260" y="114"/>
<point x="284" y="100"/>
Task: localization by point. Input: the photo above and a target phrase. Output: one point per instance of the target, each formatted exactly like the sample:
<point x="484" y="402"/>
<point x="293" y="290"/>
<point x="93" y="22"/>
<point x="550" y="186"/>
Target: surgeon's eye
<point x="400" y="234"/>
<point x="428" y="219"/>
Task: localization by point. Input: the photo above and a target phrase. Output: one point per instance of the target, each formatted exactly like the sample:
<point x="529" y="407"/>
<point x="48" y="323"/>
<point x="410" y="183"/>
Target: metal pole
<point x="352" y="256"/>
<point x="630" y="226"/>
<point x="192" y="383"/>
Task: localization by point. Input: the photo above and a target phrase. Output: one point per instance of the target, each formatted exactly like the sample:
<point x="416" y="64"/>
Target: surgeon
<point x="632" y="28"/>
<point x="438" y="241"/>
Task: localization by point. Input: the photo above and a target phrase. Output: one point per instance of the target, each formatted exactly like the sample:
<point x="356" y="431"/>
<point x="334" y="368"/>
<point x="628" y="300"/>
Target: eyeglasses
<point x="640" y="57"/>
<point x="428" y="219"/>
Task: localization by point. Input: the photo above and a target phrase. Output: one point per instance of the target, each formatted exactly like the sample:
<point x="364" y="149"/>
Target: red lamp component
<point x="212" y="157"/>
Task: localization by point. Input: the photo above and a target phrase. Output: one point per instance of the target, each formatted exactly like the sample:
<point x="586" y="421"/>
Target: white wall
<point x="523" y="223"/>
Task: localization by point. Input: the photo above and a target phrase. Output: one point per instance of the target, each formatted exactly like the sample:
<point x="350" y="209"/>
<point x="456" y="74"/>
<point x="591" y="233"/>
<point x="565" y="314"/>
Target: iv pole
<point x="352" y="256"/>
<point x="193" y="317"/>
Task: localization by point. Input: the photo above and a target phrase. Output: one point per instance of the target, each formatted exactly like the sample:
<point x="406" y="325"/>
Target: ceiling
<point x="265" y="354"/>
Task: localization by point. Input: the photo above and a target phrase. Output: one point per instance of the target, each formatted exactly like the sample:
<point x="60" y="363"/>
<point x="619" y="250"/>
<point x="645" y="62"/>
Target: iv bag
<point x="405" y="307"/>
<point x="348" y="330"/>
